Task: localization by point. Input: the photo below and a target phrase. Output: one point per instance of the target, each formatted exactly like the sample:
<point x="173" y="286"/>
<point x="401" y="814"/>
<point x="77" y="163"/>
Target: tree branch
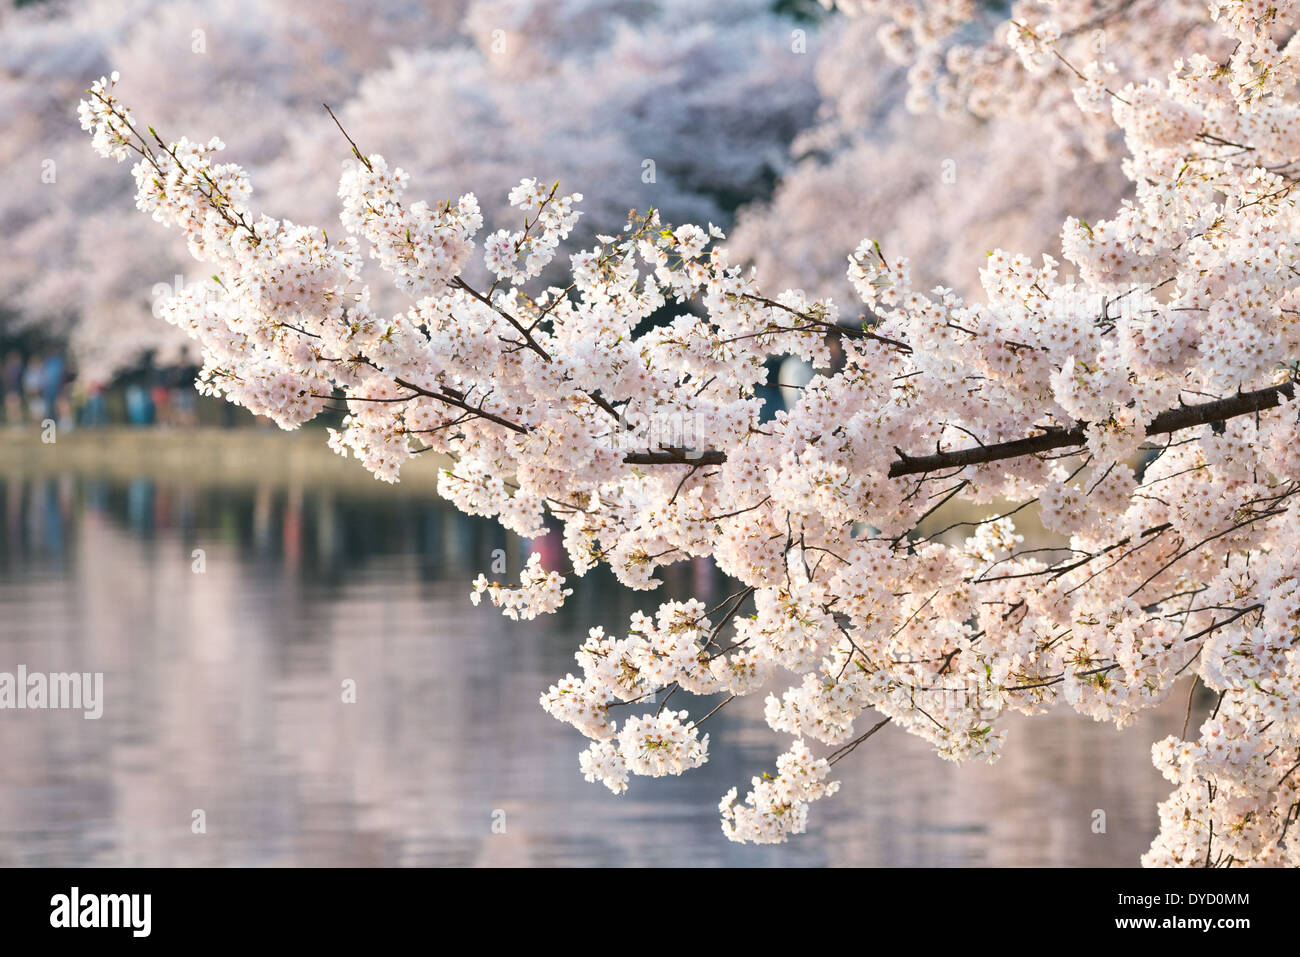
<point x="675" y="457"/>
<point x="1172" y="420"/>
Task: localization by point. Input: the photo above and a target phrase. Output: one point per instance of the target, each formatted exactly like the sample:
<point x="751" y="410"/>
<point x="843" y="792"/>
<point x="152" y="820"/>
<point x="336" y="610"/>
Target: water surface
<point x="223" y="693"/>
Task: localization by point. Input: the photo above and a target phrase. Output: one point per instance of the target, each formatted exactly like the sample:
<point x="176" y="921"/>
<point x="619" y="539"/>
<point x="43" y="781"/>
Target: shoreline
<point x="205" y="456"/>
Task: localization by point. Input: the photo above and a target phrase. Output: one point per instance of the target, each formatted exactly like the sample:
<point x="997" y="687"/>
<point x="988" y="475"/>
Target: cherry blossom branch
<point x="675" y="456"/>
<point x="1172" y="420"/>
<point x="845" y="750"/>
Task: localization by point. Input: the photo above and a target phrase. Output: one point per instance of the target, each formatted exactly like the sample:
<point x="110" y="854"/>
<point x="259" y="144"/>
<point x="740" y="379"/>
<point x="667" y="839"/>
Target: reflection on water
<point x="223" y="693"/>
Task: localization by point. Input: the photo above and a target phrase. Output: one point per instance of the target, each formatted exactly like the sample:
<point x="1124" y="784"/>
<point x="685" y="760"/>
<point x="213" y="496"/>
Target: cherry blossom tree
<point x="648" y="101"/>
<point x="1143" y="409"/>
<point x="972" y="141"/>
<point x="998" y="58"/>
<point x="946" y="188"/>
<point x="74" y="267"/>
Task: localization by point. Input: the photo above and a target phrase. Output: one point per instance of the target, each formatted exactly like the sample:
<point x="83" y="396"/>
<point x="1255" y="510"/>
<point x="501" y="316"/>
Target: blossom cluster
<point x="522" y="255"/>
<point x="964" y="57"/>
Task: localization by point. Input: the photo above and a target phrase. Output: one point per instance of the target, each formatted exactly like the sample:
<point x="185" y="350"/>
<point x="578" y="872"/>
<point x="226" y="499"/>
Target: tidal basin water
<point x="223" y="693"/>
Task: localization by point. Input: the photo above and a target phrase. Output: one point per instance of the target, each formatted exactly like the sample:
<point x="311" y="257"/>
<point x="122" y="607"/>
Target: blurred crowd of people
<point x="35" y="387"/>
<point x="40" y="386"/>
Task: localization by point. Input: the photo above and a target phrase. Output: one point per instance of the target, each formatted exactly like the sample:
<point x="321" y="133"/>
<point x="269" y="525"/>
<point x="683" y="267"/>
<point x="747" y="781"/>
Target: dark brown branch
<point x="453" y="398"/>
<point x="1173" y="420"/>
<point x="675" y="457"/>
<point x="670" y="456"/>
<point x="845" y="750"/>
